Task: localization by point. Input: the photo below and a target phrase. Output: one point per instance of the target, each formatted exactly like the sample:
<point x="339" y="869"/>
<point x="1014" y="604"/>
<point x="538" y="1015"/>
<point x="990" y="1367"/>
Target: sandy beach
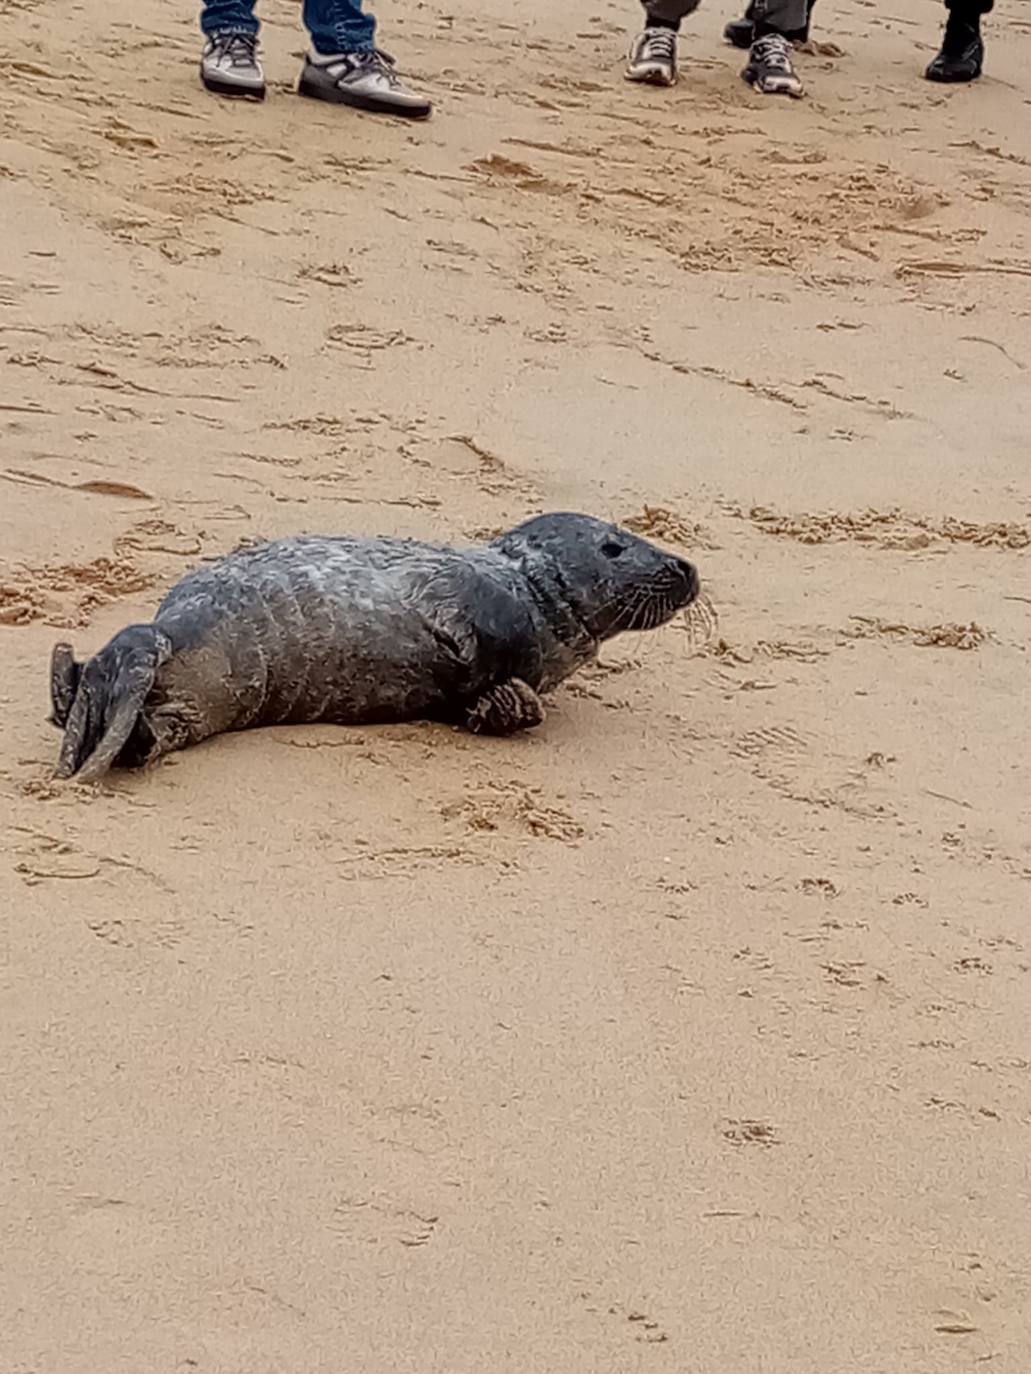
<point x="689" y="1034"/>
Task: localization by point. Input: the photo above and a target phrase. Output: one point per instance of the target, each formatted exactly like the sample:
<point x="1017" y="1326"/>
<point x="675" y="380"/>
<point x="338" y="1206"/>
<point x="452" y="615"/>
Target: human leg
<point x="769" y="68"/>
<point x="653" y="54"/>
<point x="779" y="16"/>
<point x="741" y="32"/>
<point x="339" y="26"/>
<point x="346" y="67"/>
<point x="228" y="16"/>
<point x="961" y="57"/>
<point x="668" y="13"/>
<point x="229" y="64"/>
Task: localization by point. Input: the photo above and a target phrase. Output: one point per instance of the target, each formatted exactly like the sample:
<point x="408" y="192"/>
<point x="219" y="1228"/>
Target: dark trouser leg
<point x="962" y="52"/>
<point x="667" y="14"/>
<point x="741" y="32"/>
<point x="779" y="16"/>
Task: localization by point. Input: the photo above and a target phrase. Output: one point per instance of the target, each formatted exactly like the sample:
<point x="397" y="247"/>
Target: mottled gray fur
<point x="359" y="631"/>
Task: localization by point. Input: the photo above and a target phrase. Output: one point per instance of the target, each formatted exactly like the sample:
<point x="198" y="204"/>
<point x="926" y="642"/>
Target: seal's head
<point x="609" y="579"/>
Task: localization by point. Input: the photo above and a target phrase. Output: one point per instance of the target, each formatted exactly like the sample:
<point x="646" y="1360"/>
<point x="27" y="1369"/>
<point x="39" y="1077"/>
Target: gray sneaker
<point x="229" y="65"/>
<point x="769" y="67"/>
<point x="366" y="80"/>
<point x="653" y="58"/>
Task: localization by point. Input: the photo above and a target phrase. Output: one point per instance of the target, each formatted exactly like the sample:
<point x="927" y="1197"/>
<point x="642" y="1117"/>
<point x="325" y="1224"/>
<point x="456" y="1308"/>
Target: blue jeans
<point x="335" y="25"/>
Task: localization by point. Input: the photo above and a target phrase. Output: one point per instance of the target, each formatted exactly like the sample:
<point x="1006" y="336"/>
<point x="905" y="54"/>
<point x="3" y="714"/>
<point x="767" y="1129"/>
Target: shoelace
<point x="660" y="45"/>
<point x="377" y="63"/>
<point x="239" y="49"/>
<point x="772" y="52"/>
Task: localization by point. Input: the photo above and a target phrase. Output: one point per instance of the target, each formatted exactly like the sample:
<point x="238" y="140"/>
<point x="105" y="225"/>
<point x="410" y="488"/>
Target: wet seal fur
<point x="363" y="631"/>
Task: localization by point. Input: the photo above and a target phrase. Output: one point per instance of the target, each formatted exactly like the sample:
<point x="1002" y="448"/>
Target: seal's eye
<point x="613" y="550"/>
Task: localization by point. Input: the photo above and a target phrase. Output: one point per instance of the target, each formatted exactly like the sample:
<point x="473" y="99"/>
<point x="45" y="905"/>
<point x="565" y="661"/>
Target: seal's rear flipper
<point x="64" y="683"/>
<point x="109" y="694"/>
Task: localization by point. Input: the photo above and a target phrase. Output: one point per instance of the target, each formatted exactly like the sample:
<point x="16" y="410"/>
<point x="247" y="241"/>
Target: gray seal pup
<point x="363" y="631"/>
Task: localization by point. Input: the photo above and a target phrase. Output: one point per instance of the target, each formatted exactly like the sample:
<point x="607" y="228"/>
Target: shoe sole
<point x="795" y="92"/>
<point x="230" y="89"/>
<point x="650" y="79"/>
<point x="960" y="79"/>
<point x="333" y="95"/>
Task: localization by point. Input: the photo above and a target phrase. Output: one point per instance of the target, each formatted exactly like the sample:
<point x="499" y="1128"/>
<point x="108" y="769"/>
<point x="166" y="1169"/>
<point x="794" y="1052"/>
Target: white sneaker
<point x="229" y="65"/>
<point x="653" y="58"/>
<point x="365" y="80"/>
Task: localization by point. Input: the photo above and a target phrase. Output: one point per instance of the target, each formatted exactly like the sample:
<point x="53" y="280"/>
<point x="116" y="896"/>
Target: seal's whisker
<point x="648" y="613"/>
<point x="653" y="614"/>
<point x="700" y="621"/>
<point x="617" y="623"/>
<point x="628" y="612"/>
<point x="702" y="625"/>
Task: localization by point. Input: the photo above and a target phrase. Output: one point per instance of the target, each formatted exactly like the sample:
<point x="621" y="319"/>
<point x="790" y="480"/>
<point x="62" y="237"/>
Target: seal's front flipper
<point x="506" y="709"/>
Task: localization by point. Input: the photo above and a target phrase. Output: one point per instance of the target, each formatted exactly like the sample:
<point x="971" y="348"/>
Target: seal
<point x="363" y="631"/>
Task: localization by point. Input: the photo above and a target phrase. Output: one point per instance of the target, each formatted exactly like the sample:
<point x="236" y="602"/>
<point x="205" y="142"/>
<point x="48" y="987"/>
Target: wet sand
<point x="690" y="1033"/>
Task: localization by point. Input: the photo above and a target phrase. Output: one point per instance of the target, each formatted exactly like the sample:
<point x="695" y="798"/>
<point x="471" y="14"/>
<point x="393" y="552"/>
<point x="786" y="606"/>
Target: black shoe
<point x="739" y="32"/>
<point x="961" y="57"/>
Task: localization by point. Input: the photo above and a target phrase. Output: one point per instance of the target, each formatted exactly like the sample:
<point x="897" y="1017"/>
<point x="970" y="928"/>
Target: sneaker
<point x="366" y="80"/>
<point x="229" y="65"/>
<point x="769" y="67"/>
<point x="962" y="54"/>
<point x="739" y="33"/>
<point x="653" y="58"/>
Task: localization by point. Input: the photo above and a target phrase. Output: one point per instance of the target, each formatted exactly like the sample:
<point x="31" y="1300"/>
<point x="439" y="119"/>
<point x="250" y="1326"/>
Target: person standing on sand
<point x="962" y="51"/>
<point x="344" y="67"/>
<point x="653" y="56"/>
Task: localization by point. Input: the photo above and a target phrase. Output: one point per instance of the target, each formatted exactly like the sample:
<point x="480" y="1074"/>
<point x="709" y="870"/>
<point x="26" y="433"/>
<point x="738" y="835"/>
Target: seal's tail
<point x="97" y="704"/>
